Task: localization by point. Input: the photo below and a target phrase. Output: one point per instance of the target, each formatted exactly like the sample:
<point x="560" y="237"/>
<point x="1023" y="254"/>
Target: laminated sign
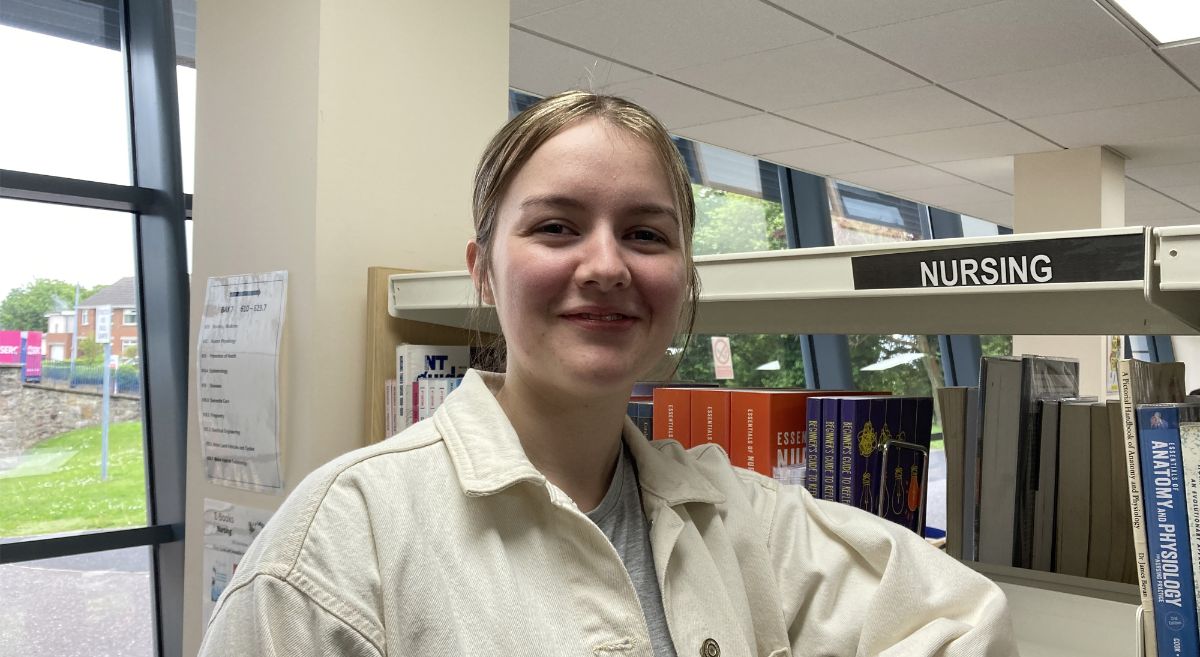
<point x="228" y="531"/>
<point x="238" y="370"/>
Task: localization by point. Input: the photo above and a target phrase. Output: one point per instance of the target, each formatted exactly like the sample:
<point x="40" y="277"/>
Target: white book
<point x="1189" y="441"/>
<point x="389" y="408"/>
<point x="423" y="390"/>
<point x="416" y="361"/>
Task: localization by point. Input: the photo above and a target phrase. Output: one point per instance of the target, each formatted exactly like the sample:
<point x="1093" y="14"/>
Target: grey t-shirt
<point x="623" y="520"/>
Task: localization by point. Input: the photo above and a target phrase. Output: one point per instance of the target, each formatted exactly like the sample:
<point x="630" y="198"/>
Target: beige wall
<point x="1072" y="189"/>
<point x="331" y="135"/>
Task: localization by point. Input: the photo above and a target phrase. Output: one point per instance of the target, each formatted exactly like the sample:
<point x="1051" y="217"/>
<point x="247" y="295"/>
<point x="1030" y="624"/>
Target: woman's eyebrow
<point x="564" y="201"/>
<point x="555" y="200"/>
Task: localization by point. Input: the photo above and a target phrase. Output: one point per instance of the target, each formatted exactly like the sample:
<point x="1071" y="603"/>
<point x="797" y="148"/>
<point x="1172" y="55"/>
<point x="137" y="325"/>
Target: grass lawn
<point x="56" y="486"/>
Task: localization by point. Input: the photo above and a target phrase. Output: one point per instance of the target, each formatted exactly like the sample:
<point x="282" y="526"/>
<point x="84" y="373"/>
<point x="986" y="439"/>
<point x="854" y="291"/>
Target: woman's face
<point x="587" y="272"/>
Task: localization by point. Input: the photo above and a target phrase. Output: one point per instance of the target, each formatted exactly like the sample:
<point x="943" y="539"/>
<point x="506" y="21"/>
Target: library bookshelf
<point x="1116" y="281"/>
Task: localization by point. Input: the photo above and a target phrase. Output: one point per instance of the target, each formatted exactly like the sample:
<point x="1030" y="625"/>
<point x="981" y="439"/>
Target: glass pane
<point x="63" y="60"/>
<point x="863" y="216"/>
<point x="59" y="469"/>
<point x="738" y="207"/>
<point x="92" y="604"/>
<point x="185" y="78"/>
<point x="972" y="227"/>
<point x="766" y="361"/>
<point x="996" y="345"/>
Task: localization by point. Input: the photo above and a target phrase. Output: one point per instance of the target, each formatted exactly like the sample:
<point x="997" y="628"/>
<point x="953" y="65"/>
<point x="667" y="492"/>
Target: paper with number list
<point x="228" y="531"/>
<point x="238" y="368"/>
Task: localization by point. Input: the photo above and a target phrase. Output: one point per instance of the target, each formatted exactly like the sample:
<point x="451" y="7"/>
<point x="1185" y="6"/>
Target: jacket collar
<point x="488" y="456"/>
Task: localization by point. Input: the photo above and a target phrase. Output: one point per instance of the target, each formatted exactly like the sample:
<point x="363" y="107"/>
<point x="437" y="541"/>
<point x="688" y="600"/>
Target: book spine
<point x="1170" y="554"/>
<point x="829" y="450"/>
<point x="1137" y="511"/>
<point x="1189" y="443"/>
<point x="812" y="448"/>
<point x="402" y="382"/>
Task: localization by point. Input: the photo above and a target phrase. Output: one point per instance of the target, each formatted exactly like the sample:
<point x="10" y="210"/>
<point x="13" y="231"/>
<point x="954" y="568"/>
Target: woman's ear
<point x="478" y="275"/>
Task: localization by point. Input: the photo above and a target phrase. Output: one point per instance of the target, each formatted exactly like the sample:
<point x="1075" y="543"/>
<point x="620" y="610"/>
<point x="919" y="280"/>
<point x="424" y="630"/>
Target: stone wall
<point x="31" y="413"/>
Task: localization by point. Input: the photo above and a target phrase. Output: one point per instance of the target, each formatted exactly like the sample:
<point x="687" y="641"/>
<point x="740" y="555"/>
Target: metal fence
<point x="126" y="379"/>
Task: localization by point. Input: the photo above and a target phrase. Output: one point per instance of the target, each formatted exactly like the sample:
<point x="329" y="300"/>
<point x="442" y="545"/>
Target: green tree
<point x="781" y="353"/>
<point x="89" y="352"/>
<point x="727" y="222"/>
<point x="25" y="308"/>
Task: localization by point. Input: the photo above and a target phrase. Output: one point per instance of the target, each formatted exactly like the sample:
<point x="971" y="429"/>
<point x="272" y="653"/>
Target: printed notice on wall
<point x="238" y="367"/>
<point x="228" y="531"/>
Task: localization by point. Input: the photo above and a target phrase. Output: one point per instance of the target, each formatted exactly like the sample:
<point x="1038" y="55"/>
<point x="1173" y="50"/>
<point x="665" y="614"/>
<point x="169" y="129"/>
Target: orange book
<point x="673" y="415"/>
<point x="768" y="428"/>
<point x="710" y="417"/>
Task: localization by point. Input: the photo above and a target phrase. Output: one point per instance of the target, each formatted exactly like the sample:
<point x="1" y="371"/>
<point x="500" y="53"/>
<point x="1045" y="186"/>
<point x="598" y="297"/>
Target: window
<point x="738" y="205"/>
<point x="93" y="83"/>
<point x="129" y="318"/>
<point x="863" y="216"/>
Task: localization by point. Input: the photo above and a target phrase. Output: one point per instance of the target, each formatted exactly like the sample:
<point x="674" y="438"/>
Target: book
<point x="1171" y="578"/>
<point x="1047" y="491"/>
<point x="389" y="407"/>
<point x="860" y="420"/>
<point x="418" y="361"/>
<point x="642" y="414"/>
<point x="1189" y="449"/>
<point x="1120" y="557"/>
<point x="1041" y="378"/>
<point x="903" y="491"/>
<point x="812" y="446"/>
<point x="829" y="448"/>
<point x="1000" y="381"/>
<point x="1073" y="507"/>
<point x="1101" y="535"/>
<point x="710" y="417"/>
<point x="971" y="452"/>
<point x="953" y="402"/>
<point x="673" y="421"/>
<point x="767" y="431"/>
<point x="1142" y="383"/>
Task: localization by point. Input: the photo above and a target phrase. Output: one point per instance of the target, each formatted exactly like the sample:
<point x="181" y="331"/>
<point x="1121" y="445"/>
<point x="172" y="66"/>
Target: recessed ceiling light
<point x="1164" y="21"/>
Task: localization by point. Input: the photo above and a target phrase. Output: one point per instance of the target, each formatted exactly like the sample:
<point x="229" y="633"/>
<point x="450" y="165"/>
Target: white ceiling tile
<point x="967" y="143"/>
<point x="1148" y="207"/>
<point x="1002" y="37"/>
<point x="841" y="17"/>
<point x="991" y="171"/>
<point x="1187" y="58"/>
<point x="836" y="159"/>
<point x="544" y="68"/>
<point x="1093" y="84"/>
<point x="1171" y="175"/>
<point x="1158" y="152"/>
<point x="676" y="105"/>
<point x="524" y="8"/>
<point x="1119" y="125"/>
<point x="1189" y="194"/>
<point x="952" y="197"/>
<point x="899" y="179"/>
<point x="758" y="134"/>
<point x="799" y="75"/>
<point x="896" y="113"/>
<point x="668" y="34"/>
<point x="998" y="212"/>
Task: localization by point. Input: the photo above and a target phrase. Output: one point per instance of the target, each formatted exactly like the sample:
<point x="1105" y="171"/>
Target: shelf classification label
<point x="238" y="369"/>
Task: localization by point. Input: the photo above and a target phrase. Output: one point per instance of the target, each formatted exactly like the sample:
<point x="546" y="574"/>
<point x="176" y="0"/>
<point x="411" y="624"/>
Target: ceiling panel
<point x="896" y="113"/>
<point x="1188" y="194"/>
<point x="1172" y="175"/>
<point x="670" y="34"/>
<point x="1002" y="37"/>
<point x="953" y="196"/>
<point x="1121" y="125"/>
<point x="1093" y="84"/>
<point x="1147" y="207"/>
<point x="997" y="212"/>
<point x="1187" y="58"/>
<point x="543" y="67"/>
<point x="795" y="76"/>
<point x="1158" y="152"/>
<point x="758" y="134"/>
<point x="836" y="159"/>
<point x="991" y="171"/>
<point x="841" y="17"/>
<point x="676" y="105"/>
<point x="525" y="8"/>
<point x="972" y="142"/>
<point x="899" y="179"/>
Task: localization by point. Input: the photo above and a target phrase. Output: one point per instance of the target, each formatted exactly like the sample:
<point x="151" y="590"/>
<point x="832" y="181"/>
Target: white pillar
<point x="331" y="135"/>
<point x="1069" y="190"/>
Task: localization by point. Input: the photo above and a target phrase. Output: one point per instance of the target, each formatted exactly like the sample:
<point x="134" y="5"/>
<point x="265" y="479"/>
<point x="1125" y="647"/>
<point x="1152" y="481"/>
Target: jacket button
<point x="710" y="649"/>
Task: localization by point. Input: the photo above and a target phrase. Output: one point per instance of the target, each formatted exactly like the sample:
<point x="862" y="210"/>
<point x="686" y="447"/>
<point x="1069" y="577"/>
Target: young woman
<point x="529" y="517"/>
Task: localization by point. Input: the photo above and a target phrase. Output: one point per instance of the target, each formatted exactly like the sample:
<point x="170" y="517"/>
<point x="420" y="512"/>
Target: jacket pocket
<point x="782" y="652"/>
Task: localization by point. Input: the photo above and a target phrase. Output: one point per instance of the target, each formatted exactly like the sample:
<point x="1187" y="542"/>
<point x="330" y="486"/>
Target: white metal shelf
<point x="815" y="291"/>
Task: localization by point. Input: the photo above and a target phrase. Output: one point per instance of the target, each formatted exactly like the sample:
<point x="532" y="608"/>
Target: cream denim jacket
<point x="444" y="540"/>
